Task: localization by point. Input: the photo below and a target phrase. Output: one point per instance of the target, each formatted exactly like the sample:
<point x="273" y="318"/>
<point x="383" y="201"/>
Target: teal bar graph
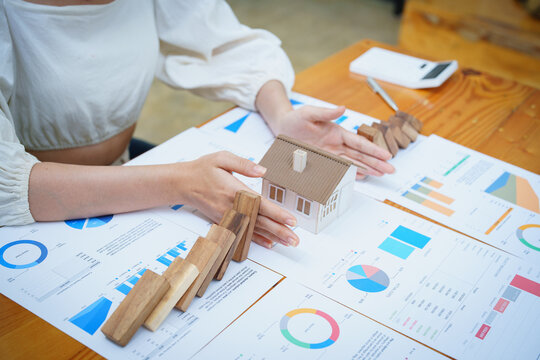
<point x="396" y="248"/>
<point x="410" y="237"/>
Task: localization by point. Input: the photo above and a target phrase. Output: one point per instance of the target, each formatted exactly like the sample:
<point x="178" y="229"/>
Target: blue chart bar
<point x="91" y="318"/>
<point x="141" y="271"/>
<point x="123" y="288"/>
<point x="182" y="246"/>
<point x="133" y="280"/>
<point x="396" y="248"/>
<point x="341" y="119"/>
<point x="511" y="293"/>
<point x="164" y="260"/>
<point x="173" y="253"/>
<point x="176" y="207"/>
<point x="410" y="237"/>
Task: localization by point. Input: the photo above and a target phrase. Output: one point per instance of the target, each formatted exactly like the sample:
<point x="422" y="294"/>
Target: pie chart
<point x="367" y="278"/>
<point x="93" y="222"/>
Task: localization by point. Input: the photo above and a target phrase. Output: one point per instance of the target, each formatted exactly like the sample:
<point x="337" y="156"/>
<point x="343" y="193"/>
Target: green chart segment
<point x="284" y="328"/>
<point x="367" y="278"/>
<point x="531" y="241"/>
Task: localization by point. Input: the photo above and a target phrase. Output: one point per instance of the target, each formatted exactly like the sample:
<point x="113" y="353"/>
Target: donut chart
<point x="283" y="325"/>
<point x="523" y="239"/>
<point x="6" y="263"/>
<point x="367" y="278"/>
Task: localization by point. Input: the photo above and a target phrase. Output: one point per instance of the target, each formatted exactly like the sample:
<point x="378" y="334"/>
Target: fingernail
<point x="259" y="170"/>
<point x="291" y="221"/>
<point x="293" y="241"/>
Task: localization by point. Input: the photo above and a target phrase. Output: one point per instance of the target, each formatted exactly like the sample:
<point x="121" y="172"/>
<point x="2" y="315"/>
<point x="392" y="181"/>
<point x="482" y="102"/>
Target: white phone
<point x="404" y="70"/>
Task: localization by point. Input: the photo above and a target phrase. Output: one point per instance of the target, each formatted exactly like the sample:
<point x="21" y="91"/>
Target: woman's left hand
<point x="314" y="125"/>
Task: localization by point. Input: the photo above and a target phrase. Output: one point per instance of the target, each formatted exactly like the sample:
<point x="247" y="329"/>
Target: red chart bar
<point x="532" y="287"/>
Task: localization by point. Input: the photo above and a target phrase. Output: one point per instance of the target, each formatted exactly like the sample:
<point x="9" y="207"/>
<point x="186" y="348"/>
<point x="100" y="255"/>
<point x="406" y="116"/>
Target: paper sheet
<point x="74" y="274"/>
<point x="478" y="195"/>
<point x="441" y="288"/>
<point x="455" y="294"/>
<point x="294" y="322"/>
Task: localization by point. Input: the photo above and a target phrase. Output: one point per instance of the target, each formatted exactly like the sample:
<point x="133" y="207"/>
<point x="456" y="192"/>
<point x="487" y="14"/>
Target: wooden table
<point x="496" y="36"/>
<point x="498" y="117"/>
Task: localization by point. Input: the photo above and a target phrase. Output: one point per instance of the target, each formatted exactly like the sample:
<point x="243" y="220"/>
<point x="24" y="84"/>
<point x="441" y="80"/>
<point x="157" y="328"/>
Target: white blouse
<point x="78" y="75"/>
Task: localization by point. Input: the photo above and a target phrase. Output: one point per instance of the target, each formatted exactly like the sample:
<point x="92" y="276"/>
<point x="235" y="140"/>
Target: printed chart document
<point x="463" y="298"/>
<point x="294" y="322"/>
<point x="478" y="195"/>
<point x="74" y="274"/>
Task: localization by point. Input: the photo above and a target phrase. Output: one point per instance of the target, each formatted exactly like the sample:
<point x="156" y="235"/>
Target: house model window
<point x="276" y="193"/>
<point x="310" y="182"/>
<point x="303" y="206"/>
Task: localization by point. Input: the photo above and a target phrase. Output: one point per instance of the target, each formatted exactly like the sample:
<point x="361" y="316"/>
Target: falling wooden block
<point x="248" y="204"/>
<point x="238" y="224"/>
<point x="401" y="139"/>
<point x="407" y="128"/>
<point x="135" y="308"/>
<point x="203" y="255"/>
<point x="180" y="274"/>
<point x="373" y="135"/>
<point x="391" y="143"/>
<point x="224" y="238"/>
<point x="416" y="124"/>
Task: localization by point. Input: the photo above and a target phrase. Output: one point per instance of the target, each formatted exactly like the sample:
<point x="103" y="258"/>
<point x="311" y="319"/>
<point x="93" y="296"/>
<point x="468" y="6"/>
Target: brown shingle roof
<point x="319" y="179"/>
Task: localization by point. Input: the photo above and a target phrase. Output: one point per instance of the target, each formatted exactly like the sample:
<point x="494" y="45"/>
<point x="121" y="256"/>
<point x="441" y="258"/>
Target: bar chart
<point x="167" y="258"/>
<point x="424" y="193"/>
<point x="403" y="241"/>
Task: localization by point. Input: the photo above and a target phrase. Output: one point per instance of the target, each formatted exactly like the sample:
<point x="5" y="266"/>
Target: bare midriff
<point x="104" y="153"/>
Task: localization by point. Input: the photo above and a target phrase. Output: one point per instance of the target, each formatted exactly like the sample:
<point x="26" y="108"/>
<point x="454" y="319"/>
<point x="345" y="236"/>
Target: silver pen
<point x="378" y="90"/>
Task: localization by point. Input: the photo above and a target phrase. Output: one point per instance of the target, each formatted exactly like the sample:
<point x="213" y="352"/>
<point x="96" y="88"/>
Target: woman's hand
<point x="314" y="125"/>
<point x="210" y="187"/>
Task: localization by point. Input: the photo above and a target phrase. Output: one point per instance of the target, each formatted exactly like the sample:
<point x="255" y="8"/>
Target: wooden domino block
<point x="401" y="139"/>
<point x="407" y="128"/>
<point x="238" y="224"/>
<point x="135" y="308"/>
<point x="391" y="143"/>
<point x="225" y="239"/>
<point x="248" y="204"/>
<point x="373" y="135"/>
<point x="203" y="255"/>
<point x="180" y="274"/>
<point x="416" y="124"/>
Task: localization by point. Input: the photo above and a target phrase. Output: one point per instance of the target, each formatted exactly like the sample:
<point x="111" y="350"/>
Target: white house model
<point x="313" y="184"/>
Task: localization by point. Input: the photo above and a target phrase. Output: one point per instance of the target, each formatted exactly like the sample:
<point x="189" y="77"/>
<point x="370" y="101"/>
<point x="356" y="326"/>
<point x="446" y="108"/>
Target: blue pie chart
<point x="92" y="222"/>
<point x="24" y="250"/>
<point x="367" y="278"/>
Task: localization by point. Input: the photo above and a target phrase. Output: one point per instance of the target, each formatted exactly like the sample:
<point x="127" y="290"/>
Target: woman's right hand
<point x="208" y="185"/>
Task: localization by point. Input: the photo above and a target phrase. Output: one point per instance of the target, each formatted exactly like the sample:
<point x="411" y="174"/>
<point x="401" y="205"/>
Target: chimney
<point x="299" y="160"/>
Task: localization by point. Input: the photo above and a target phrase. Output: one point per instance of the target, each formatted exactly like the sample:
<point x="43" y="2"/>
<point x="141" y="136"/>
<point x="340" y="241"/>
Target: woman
<point x="73" y="78"/>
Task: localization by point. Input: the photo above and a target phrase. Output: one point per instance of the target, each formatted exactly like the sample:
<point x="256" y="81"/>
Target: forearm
<point x="272" y="103"/>
<point x="60" y="191"/>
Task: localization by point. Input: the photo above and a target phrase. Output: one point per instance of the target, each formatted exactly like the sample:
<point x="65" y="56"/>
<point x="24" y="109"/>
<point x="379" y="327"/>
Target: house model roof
<point x="319" y="179"/>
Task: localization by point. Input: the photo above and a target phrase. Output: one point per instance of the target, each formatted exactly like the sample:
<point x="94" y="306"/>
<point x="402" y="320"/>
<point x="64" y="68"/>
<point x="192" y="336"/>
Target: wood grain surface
<point x="497" y="36"/>
<point x="498" y="117"/>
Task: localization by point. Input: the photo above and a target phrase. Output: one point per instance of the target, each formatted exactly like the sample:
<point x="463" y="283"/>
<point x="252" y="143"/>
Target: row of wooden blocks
<point x="397" y="132"/>
<point x="154" y="296"/>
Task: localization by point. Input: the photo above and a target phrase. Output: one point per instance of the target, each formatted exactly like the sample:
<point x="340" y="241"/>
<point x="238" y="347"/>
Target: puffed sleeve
<point x="15" y="162"/>
<point x="205" y="49"/>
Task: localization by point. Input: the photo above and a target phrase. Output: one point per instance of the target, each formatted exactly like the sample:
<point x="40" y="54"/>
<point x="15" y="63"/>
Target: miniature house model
<point x="314" y="185"/>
